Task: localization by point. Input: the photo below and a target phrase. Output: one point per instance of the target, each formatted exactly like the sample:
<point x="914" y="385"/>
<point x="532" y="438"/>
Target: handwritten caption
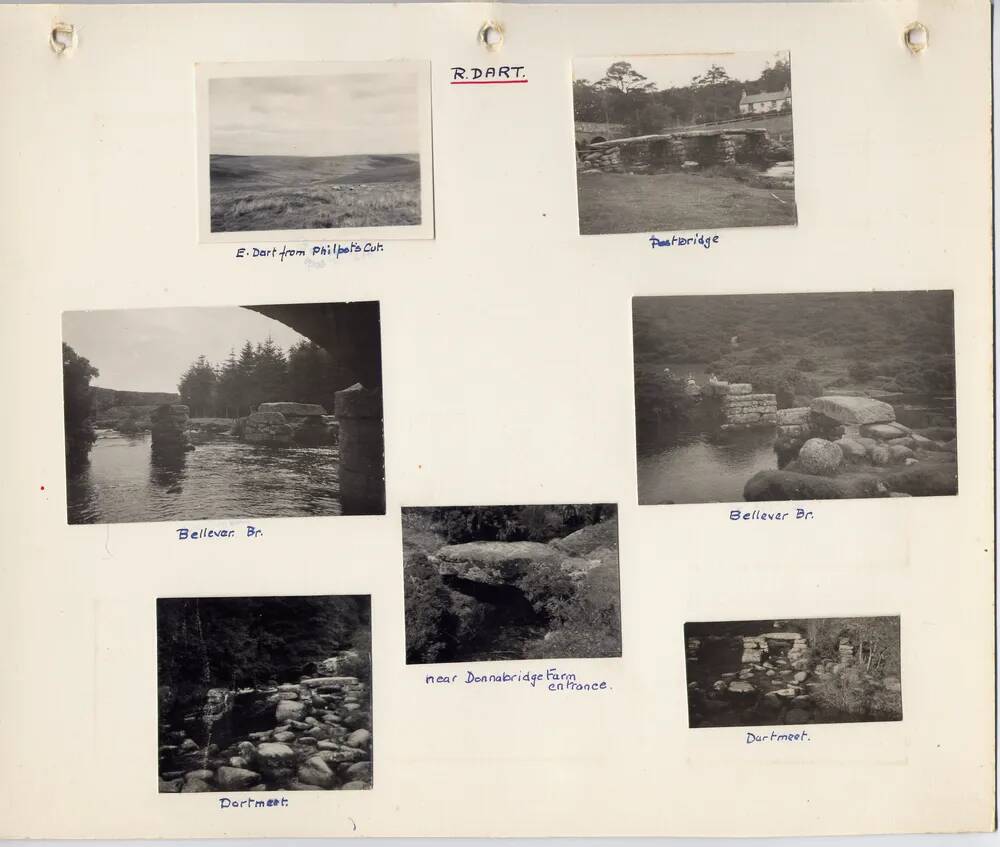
<point x="185" y="534"/>
<point x="250" y="803"/>
<point x="800" y="514"/>
<point x="552" y="679"/>
<point x="696" y="240"/>
<point x="493" y="75"/>
<point x="775" y="736"/>
<point x="317" y="251"/>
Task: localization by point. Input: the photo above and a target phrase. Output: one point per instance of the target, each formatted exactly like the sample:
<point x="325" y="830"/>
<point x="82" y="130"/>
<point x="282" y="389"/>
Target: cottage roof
<point x="765" y="96"/>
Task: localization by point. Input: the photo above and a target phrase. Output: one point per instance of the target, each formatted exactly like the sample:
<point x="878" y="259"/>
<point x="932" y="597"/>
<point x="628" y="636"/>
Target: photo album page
<point x="483" y="419"/>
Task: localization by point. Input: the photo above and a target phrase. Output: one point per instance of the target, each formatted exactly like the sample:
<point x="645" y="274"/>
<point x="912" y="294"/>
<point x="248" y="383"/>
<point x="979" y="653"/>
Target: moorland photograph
<point x="795" y="396"/>
<point x="684" y="142"/>
<point x="334" y="149"/>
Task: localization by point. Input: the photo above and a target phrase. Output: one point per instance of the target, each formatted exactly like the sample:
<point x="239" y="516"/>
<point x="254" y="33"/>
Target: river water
<point x="700" y="464"/>
<point x="223" y="478"/>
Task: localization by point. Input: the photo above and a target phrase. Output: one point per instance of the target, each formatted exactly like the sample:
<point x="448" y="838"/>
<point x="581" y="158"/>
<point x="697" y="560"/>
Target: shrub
<point x="426" y="604"/>
<point x="860" y="371"/>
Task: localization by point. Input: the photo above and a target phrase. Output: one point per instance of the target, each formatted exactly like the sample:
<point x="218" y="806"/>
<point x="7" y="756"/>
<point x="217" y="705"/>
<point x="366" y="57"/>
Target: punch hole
<point x="62" y="39"/>
<point x="915" y="37"/>
<point x="491" y="35"/>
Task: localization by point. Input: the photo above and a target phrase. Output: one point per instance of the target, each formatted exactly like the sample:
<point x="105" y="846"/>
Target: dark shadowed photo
<point x="231" y="412"/>
<point x="341" y="147"/>
<point x="264" y="693"/>
<point x="484" y="583"/>
<point x="684" y="142"/>
<point x="795" y="396"/>
<point x="800" y="671"/>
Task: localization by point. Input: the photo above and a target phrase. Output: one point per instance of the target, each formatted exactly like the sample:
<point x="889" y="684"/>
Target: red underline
<point x="485" y="81"/>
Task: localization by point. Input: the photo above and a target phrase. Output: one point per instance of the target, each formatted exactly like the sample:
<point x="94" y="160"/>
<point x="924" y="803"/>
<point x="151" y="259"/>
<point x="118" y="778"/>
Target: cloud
<point x="315" y="115"/>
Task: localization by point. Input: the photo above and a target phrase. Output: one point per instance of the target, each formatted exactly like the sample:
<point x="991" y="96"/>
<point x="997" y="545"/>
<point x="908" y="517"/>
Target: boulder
<point x="740" y="388"/>
<point x="360" y="771"/>
<point x="926" y="479"/>
<point x="289" y="710"/>
<point x="284" y="736"/>
<point x="852" y="451"/>
<point x="589" y="539"/>
<point x="236" y="779"/>
<point x="495" y="562"/>
<point x="314" y="771"/>
<point x="359" y="738"/>
<point x="790" y="485"/>
<point x="741" y="687"/>
<point x="355" y="785"/>
<point x="898" y="454"/>
<point x="269" y="428"/>
<point x="301" y="410"/>
<point x="884" y="431"/>
<point x="195" y="786"/>
<point x="880" y="455"/>
<point x="853" y="410"/>
<point x="821" y="457"/>
<point x="171" y="786"/>
<point x="274" y="756"/>
<point x="801" y="676"/>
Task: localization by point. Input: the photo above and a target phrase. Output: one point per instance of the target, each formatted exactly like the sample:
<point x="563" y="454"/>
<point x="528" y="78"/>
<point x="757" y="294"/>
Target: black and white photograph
<point x="223" y="412"/>
<point x="795" y="396"/>
<point x="488" y="583"/>
<point x="264" y="693"/>
<point x="315" y="150"/>
<point x="793" y="672"/>
<point x="684" y="142"/>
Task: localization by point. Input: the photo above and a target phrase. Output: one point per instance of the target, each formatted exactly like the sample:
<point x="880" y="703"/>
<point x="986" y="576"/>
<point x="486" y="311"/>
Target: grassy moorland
<point x="801" y="345"/>
<point x="616" y="203"/>
<point x="259" y="193"/>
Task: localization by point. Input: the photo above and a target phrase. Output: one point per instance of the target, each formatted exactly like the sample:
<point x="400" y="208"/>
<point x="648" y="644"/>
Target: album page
<point x="497" y="420"/>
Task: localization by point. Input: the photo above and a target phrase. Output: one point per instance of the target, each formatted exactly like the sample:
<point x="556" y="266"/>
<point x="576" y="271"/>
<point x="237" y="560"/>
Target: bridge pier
<point x="362" y="460"/>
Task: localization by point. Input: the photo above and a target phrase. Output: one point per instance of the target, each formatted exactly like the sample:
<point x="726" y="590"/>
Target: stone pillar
<point x="716" y="150"/>
<point x="170" y="428"/>
<point x="362" y="460"/>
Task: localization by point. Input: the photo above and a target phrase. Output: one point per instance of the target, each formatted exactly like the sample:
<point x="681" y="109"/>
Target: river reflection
<point x="699" y="463"/>
<point x="223" y="478"/>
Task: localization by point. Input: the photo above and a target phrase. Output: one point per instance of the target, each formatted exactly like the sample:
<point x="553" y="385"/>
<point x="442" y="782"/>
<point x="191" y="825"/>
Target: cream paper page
<point x="507" y="378"/>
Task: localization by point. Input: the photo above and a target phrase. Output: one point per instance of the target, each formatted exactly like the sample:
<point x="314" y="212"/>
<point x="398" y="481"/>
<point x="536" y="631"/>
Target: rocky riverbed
<point x="318" y="738"/>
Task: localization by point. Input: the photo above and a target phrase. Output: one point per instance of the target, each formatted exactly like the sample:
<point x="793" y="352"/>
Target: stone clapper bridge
<point x="840" y="445"/>
<point x="351" y="334"/>
<point x="672" y="150"/>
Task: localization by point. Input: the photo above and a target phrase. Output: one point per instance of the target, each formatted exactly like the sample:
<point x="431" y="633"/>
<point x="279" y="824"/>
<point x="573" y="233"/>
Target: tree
<point x="270" y="373"/>
<point x="244" y="380"/>
<point x="309" y="374"/>
<point x="715" y="75"/>
<point x="197" y="388"/>
<point x="77" y="409"/>
<point x="652" y="118"/>
<point x="622" y="77"/>
<point x="776" y="77"/>
<point x="226" y="391"/>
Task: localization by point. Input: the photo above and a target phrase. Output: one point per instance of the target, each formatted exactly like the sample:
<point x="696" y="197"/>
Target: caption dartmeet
<point x="250" y="803"/>
<point x="753" y="738"/>
<point x="317" y="250"/>
<point x="552" y="679"/>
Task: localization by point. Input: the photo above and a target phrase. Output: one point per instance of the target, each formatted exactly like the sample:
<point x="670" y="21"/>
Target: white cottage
<point x="766" y="101"/>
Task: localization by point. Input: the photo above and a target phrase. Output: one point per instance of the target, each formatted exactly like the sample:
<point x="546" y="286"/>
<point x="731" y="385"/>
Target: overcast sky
<point x="149" y="349"/>
<point x="678" y="71"/>
<point x="314" y="115"/>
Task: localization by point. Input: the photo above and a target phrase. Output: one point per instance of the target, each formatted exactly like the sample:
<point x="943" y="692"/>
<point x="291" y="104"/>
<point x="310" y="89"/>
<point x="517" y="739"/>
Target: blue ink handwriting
<point x="698" y="239"/>
<point x="553" y="680"/>
<point x="185" y="534"/>
<point x="250" y="803"/>
<point x="757" y="515"/>
<point x="753" y="738"/>
<point x="336" y="250"/>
